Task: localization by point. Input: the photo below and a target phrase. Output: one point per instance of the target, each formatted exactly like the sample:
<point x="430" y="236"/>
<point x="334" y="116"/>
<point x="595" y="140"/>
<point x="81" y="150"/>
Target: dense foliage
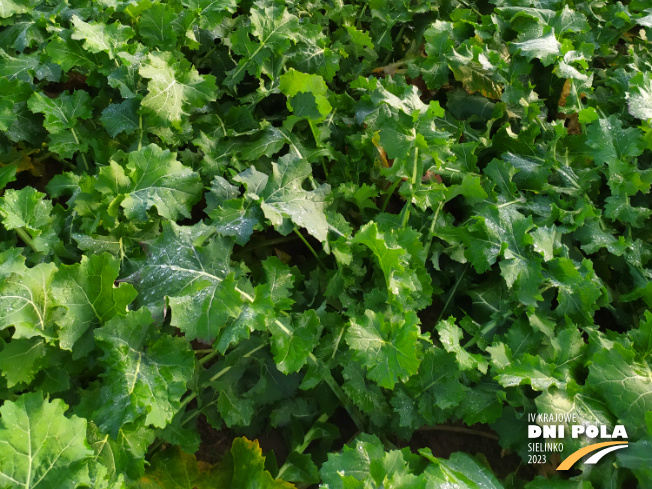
<point x="331" y="218"/>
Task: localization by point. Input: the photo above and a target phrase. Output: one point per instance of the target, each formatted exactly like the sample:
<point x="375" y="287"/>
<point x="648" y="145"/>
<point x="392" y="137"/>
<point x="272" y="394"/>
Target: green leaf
<point x="234" y="409"/>
<point x="438" y="45"/>
<point x="300" y="468"/>
<point x="9" y="8"/>
<point x="293" y="82"/>
<point x="450" y="335"/>
<point x="26" y="302"/>
<point x="20" y="358"/>
<point x="274" y="28"/>
<point x="642" y="337"/>
<point x="40" y="447"/>
<point x="88" y="293"/>
<point x="157" y="27"/>
<point x="126" y="80"/>
<point x="587" y="409"/>
<point x="314" y="54"/>
<point x="61" y="113"/>
<point x="244" y="466"/>
<point x="579" y="290"/>
<point x="22" y="35"/>
<point x="639" y="97"/>
<point x="175" y="87"/>
<point x="159" y="179"/>
<point x="529" y="370"/>
<point x="145" y="374"/>
<point x="68" y="53"/>
<point x="616" y="146"/>
<point x="126" y="453"/>
<point x="472" y="66"/>
<point x="544" y="47"/>
<point x="232" y="216"/>
<point x="211" y="12"/>
<point x="25" y="208"/>
<point x="618" y="207"/>
<point x="366" y="395"/>
<point x="500" y="229"/>
<point x="254" y="180"/>
<point x="593" y="237"/>
<point x="502" y="173"/>
<point x="284" y="199"/>
<point x="611" y="142"/>
<point x="99" y="37"/>
<point x="7" y="175"/>
<point x="392" y="258"/>
<point x="635" y="458"/>
<point x="588" y="115"/>
<point x="482" y="404"/>
<point x="471" y="188"/>
<point x="11" y="94"/>
<point x="122" y="117"/>
<point x="293" y="342"/>
<point x="269" y="297"/>
<point x="437" y="388"/>
<point x="388" y="347"/>
<point x="398" y="140"/>
<point x="623" y="382"/>
<point x="191" y="266"/>
<point x="543" y="241"/>
<point x="354" y="462"/>
<point x="172" y="468"/>
<point x="21" y="68"/>
<point x="181" y="433"/>
<point x="367" y="462"/>
<point x="460" y="471"/>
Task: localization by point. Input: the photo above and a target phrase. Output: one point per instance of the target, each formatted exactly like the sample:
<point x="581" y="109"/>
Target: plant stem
<point x="432" y="229"/>
<point x="313" y="129"/>
<point x="485" y="330"/>
<point x="396" y="39"/>
<point x="460" y="429"/>
<point x="390" y="192"/>
<point x="83" y="156"/>
<point x="339" y="393"/>
<point x="415" y="164"/>
<point x="193" y="395"/>
<point x="263" y="244"/>
<point x="307" y="439"/>
<point x="414" y="181"/>
<point x="312" y="250"/>
<point x="406" y="215"/>
<point x="327" y="377"/>
<point x="44" y="156"/>
<point x="208" y="357"/>
<point x="219" y="374"/>
<point x="140" y="126"/>
<point x="26" y="238"/>
<point x="452" y="292"/>
<point x="359" y="19"/>
<point x="204" y="56"/>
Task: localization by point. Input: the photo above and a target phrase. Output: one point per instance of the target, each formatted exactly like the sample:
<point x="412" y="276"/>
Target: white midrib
<point x="136" y="372"/>
<point x="27" y="301"/>
<point x="219" y="280"/>
<point x="29" y="451"/>
<point x="262" y="45"/>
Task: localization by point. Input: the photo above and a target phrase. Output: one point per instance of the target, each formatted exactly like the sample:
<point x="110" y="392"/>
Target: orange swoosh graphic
<point x="575" y="456"/>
